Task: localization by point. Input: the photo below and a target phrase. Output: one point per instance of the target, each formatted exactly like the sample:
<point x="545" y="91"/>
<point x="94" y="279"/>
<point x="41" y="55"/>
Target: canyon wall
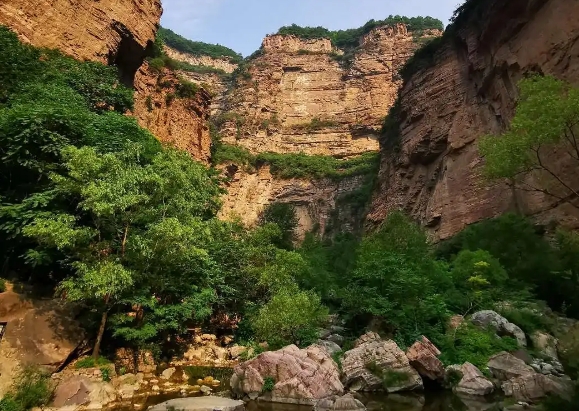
<point x="306" y="96"/>
<point x="110" y="31"/>
<point x="431" y="166"/>
<point x="297" y="96"/>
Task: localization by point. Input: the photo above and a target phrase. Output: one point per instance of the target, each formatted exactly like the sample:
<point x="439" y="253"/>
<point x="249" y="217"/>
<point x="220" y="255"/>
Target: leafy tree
<point x="290" y="317"/>
<point x="397" y="279"/>
<point x="285" y="216"/>
<point x="197" y="48"/>
<point x="546" y="119"/>
<point x="478" y="280"/>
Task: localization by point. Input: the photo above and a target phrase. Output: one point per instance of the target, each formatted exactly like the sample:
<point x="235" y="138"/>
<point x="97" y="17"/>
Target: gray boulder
<point x="534" y="387"/>
<point x="471" y="380"/>
<point x="489" y="318"/>
<point x="505" y="366"/>
<point x="376" y="364"/>
<point x="210" y="403"/>
<point x="330" y="347"/>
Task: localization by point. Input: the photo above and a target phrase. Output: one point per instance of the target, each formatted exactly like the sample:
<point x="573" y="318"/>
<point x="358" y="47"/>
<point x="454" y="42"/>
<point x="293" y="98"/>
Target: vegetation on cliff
<point x="545" y="121"/>
<point x="350" y="39"/>
<point x="197" y="48"/>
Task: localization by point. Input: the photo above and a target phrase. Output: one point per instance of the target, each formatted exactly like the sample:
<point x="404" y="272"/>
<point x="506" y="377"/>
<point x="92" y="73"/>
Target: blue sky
<point x="242" y="24"/>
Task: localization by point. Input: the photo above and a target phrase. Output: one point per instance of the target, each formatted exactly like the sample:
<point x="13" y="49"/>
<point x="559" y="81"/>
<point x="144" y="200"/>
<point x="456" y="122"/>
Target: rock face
<point x="297" y="97"/>
<point x="489" y="318"/>
<point x="294" y="81"/>
<point x="110" y="31"/>
<point x="374" y="364"/>
<point x="472" y="381"/>
<point x="179" y="122"/>
<point x="470" y="91"/>
<point x="200" y="404"/>
<point x="423" y="356"/>
<point x="80" y="390"/>
<point x="546" y="344"/>
<point x="298" y="376"/>
<point x="318" y="203"/>
<point x="39" y="332"/>
<point x="505" y="366"/>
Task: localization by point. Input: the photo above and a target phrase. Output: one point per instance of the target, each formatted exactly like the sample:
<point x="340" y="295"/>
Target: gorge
<point x="312" y="222"/>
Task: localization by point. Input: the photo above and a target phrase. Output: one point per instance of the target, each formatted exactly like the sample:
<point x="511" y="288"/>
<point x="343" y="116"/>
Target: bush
<point x="187" y="89"/>
<point x="472" y="344"/>
<point x="268" y="384"/>
<point x="290" y="317"/>
<point x="228" y="153"/>
<point x="2" y="285"/>
<point x="90" y="362"/>
<point x="30" y="389"/>
<point x="197" y="48"/>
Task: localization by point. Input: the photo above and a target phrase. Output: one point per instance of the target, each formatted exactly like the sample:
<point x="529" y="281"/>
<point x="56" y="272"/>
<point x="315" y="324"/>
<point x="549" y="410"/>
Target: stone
<point x="205" y="390"/>
<point x="220" y="353"/>
<point x="346" y="402"/>
<point x="330" y="347"/>
<point x="375" y="364"/>
<point x="300" y="376"/>
<point x="168" y="373"/>
<point x="155" y="388"/>
<point x="489" y="318"/>
<point x="236" y="351"/>
<point x="208" y="403"/>
<point x="545" y="343"/>
<point x="455" y="321"/>
<point x="505" y="366"/>
<point x="423" y="356"/>
<point x="471" y="380"/>
<point x="336" y="339"/>
<point x="80" y="390"/>
<point x="533" y="387"/>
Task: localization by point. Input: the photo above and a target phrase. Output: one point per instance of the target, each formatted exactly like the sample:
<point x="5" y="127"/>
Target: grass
<point x="90" y="362"/>
<point x="315" y="124"/>
<point x="30" y="389"/>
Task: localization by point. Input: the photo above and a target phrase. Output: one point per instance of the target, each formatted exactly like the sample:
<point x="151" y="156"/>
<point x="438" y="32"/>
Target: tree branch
<point x="556" y="177"/>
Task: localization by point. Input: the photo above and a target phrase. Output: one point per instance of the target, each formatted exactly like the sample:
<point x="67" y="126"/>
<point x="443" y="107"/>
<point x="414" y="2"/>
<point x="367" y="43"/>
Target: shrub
<point x="90" y="362"/>
<point x="30" y="389"/>
<point x="157" y="64"/>
<point x="187" y="89"/>
<point x="105" y="373"/>
<point x="228" y="153"/>
<point x="471" y="344"/>
<point x="268" y="384"/>
<point x="2" y="285"/>
<point x="290" y="317"/>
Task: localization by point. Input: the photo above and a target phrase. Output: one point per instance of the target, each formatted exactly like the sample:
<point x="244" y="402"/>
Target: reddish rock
<point x="423" y="357"/>
<point x="299" y="376"/>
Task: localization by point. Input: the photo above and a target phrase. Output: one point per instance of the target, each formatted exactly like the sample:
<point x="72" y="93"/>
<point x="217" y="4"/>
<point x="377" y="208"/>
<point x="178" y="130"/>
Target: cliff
<point x="306" y="96"/>
<point x="179" y="122"/>
<point x="110" y="31"/>
<point x="430" y="163"/>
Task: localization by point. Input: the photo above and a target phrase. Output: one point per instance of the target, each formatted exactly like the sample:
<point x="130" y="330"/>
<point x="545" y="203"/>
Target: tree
<point x="546" y="119"/>
<point x="284" y="215"/>
<point x="290" y="317"/>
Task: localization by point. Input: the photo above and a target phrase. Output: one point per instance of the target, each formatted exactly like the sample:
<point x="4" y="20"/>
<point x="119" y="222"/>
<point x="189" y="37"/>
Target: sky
<point x="242" y="24"/>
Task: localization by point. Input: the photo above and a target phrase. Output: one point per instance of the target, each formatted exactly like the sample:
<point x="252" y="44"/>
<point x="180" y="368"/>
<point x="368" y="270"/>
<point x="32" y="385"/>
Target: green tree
<point x="285" y="216"/>
<point x="546" y="119"/>
<point x="290" y="317"/>
<point x="397" y="279"/>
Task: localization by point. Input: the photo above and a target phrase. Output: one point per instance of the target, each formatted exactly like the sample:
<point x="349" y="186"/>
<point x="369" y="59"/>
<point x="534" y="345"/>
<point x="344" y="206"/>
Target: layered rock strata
<point x="110" y="31"/>
<point x="432" y="169"/>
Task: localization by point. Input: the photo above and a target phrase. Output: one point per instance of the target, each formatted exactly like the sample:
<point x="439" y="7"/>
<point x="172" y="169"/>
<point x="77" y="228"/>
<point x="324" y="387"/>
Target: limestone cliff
<point x="300" y="96"/>
<point x="468" y="91"/>
<point x="110" y="31"/>
<point x="306" y="96"/>
<point x="179" y="122"/>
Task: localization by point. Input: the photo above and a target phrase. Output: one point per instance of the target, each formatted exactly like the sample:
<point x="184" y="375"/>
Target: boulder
<point x="471" y="380"/>
<point x="330" y="347"/>
<point x="505" y="366"/>
<point x="545" y="343"/>
<point x="339" y="403"/>
<point x="336" y="338"/>
<point x="168" y="373"/>
<point x="455" y="321"/>
<point x="375" y="364"/>
<point x="209" y="403"/>
<point x="79" y="390"/>
<point x="299" y="376"/>
<point x="489" y="318"/>
<point x="236" y="351"/>
<point x="423" y="356"/>
<point x="533" y="387"/>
